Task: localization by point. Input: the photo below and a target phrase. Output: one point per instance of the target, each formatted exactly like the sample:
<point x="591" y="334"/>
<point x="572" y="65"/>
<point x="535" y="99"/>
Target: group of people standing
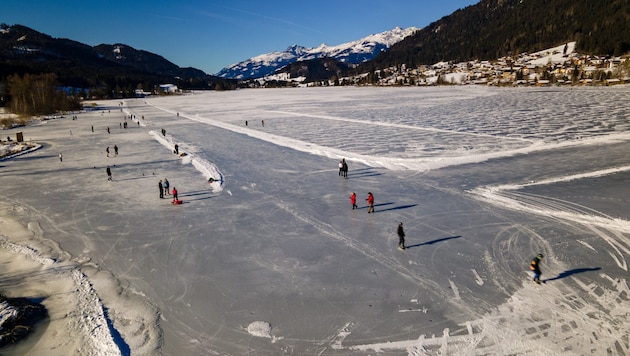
<point x="115" y="151"/>
<point x="343" y="168"/>
<point x="163" y="187"/>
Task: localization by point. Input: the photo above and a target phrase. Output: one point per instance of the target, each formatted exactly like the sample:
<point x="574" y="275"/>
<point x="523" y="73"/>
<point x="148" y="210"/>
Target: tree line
<point x="38" y="94"/>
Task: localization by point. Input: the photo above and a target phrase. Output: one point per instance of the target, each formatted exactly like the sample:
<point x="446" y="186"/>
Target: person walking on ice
<point x="353" y="200"/>
<point x="175" y="194"/>
<point x="535" y="267"/>
<point x="370" y="200"/>
<point x="161" y="188"/>
<point x="109" y="173"/>
<point x="401" y="236"/>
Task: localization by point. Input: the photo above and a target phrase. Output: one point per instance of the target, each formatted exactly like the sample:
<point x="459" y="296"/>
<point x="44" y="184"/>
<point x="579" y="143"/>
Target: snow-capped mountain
<point x="351" y="53"/>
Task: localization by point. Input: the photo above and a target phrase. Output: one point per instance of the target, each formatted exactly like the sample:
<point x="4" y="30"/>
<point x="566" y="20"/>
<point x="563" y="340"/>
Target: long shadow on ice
<point x="202" y="194"/>
<point x="132" y="178"/>
<point x="572" y="272"/>
<point x="395" y="207"/>
<point x="118" y="170"/>
<point x="362" y="173"/>
<point x="376" y="205"/>
<point x="34" y="157"/>
<point x="435" y="241"/>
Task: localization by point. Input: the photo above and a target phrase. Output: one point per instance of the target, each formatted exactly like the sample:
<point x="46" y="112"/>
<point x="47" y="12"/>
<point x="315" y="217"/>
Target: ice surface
<point x="271" y="259"/>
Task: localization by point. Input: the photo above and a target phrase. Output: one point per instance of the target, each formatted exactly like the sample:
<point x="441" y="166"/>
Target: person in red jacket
<point x="370" y="200"/>
<point x="535" y="267"/>
<point x="175" y="194"/>
<point x="353" y="200"/>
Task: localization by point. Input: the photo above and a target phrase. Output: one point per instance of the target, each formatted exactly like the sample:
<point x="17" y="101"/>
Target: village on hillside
<point x="555" y="66"/>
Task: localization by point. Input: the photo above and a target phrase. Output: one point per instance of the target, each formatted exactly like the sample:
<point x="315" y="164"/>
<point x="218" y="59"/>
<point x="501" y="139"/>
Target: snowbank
<point x="209" y="171"/>
<point x="10" y="150"/>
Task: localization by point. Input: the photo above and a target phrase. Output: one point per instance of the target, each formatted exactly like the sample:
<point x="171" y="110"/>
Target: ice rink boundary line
<point x="594" y="174"/>
<point x="392" y="163"/>
<point x="401" y="126"/>
<point x="417" y="164"/>
<point x="493" y="195"/>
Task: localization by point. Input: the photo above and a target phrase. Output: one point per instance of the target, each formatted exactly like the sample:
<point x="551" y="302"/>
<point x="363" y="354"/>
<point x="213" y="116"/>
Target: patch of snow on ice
<point x="25" y="250"/>
<point x="260" y="329"/>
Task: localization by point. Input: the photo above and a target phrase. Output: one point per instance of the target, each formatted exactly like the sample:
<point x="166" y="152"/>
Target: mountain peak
<point x="354" y="52"/>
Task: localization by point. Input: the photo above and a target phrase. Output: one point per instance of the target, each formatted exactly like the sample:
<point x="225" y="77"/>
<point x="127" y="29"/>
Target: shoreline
<point x="88" y="308"/>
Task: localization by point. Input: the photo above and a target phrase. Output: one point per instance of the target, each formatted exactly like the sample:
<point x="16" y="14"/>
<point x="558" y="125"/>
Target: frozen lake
<point x="272" y="259"/>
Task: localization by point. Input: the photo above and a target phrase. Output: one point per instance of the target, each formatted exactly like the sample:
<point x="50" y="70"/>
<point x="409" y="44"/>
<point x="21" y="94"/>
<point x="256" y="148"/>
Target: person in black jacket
<point x="401" y="237"/>
<point x="161" y="187"/>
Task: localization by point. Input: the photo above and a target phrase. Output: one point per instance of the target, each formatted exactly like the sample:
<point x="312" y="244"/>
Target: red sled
<point x="177" y="202"/>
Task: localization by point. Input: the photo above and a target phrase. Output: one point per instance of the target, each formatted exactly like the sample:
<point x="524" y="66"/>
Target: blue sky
<point x="210" y="35"/>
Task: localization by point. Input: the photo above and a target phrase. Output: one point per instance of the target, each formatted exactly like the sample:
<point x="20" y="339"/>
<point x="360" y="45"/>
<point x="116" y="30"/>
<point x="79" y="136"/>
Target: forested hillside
<point x="496" y="28"/>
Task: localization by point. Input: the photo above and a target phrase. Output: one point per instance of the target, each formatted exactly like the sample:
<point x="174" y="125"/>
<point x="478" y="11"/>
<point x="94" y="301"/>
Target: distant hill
<point x="309" y="71"/>
<point x="496" y="28"/>
<point x="350" y="53"/>
<point x="114" y="68"/>
<point x="144" y="61"/>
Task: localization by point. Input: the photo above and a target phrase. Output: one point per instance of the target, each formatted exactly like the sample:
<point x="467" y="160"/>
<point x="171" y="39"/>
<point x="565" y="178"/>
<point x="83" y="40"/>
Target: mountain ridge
<point x="349" y="53"/>
<point x="109" y="69"/>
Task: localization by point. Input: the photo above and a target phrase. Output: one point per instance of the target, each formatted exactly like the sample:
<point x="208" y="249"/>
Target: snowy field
<point x="270" y="259"/>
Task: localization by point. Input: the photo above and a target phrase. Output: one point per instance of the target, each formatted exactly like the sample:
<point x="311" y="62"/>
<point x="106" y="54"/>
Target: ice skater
<point x="535" y="267"/>
<point x="109" y="173"/>
<point x="166" y="185"/>
<point x="60" y="158"/>
<point x="370" y="200"/>
<point x="115" y="150"/>
<point x="107" y="151"/>
<point x="353" y="200"/>
<point x="340" y="168"/>
<point x="401" y="236"/>
<point x="161" y="187"/>
<point x="344" y="168"/>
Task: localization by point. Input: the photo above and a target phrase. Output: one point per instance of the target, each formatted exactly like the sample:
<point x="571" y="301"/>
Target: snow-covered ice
<point x="269" y="257"/>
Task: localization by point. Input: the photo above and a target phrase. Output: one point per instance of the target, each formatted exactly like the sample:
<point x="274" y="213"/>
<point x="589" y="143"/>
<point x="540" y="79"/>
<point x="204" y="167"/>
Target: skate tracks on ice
<point x="578" y="316"/>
